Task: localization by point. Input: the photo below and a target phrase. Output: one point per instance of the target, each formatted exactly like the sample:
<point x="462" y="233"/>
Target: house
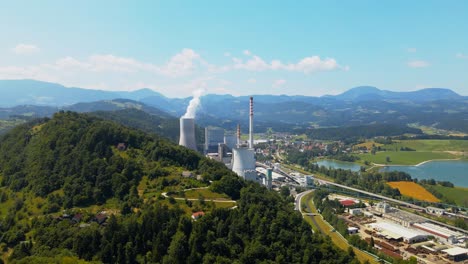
<point x="197" y="215"/>
<point x="347" y="203"/>
<point x="100" y="218"/>
<point x="352" y="230"/>
<point x="187" y="174"/>
<point x="121" y="146"/>
<point x="356" y="211"/>
<point x="77" y="218"/>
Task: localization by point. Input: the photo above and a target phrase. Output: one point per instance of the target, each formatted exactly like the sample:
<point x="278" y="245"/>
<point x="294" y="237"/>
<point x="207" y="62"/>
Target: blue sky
<point x="237" y="47"/>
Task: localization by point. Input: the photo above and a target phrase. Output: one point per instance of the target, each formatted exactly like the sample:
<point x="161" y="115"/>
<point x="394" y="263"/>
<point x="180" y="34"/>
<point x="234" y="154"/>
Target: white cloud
<point x="278" y="83"/>
<point x="182" y="63"/>
<point x="461" y="56"/>
<point x="227" y="54"/>
<point x="178" y="76"/>
<point x="411" y="50"/>
<point x="24" y="49"/>
<point x="418" y="64"/>
<point x="306" y="65"/>
<point x="247" y="52"/>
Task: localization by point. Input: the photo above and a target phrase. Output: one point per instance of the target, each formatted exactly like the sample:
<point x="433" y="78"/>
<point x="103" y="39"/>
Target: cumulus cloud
<point x="24" y="49"/>
<point x="278" y="83"/>
<point x="418" y="64"/>
<point x="306" y="65"/>
<point x="411" y="50"/>
<point x="461" y="56"/>
<point x="180" y="74"/>
<point x="182" y="63"/>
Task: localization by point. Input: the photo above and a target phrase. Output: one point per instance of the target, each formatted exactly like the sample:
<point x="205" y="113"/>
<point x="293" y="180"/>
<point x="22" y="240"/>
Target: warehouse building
<point x="448" y="235"/>
<point x="396" y="232"/>
<point x="456" y="254"/>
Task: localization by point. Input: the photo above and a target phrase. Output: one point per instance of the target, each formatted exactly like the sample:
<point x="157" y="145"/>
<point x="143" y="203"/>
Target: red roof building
<point x="197" y="215"/>
<point x="347" y="203"/>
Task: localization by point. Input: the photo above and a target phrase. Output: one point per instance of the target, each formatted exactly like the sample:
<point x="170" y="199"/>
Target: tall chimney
<point x="238" y="135"/>
<point x="251" y="141"/>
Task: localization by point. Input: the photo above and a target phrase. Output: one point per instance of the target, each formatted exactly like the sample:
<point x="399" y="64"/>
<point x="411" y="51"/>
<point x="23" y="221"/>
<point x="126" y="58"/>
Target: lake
<point x="339" y="165"/>
<point x="454" y="171"/>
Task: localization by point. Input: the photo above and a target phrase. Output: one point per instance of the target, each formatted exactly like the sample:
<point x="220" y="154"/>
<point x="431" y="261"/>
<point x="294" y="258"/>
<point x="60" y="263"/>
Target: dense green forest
<point x="54" y="171"/>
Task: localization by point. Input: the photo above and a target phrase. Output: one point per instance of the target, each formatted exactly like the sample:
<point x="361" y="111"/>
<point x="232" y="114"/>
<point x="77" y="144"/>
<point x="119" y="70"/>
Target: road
<point x="298" y="207"/>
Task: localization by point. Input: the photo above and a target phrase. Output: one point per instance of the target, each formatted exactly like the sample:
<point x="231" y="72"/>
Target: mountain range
<point x="438" y="107"/>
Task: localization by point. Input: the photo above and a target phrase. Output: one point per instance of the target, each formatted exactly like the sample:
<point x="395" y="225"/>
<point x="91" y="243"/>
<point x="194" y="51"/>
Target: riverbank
<point x="416" y="165"/>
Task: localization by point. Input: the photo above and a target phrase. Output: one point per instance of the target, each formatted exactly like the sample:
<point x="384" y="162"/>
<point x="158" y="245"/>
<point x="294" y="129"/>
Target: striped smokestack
<point x="251" y="142"/>
<point x="238" y="135"/>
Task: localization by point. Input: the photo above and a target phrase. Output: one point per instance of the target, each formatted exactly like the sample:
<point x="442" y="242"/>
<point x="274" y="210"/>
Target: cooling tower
<point x="243" y="163"/>
<point x="187" y="133"/>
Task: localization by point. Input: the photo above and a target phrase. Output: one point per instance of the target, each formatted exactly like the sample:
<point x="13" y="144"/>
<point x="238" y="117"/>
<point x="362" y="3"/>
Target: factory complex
<point x="401" y="234"/>
<point x="236" y="154"/>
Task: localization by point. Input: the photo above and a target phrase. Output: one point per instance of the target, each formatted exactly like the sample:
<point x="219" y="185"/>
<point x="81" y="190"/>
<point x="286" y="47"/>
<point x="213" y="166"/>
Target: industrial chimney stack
<point x="251" y="141"/>
<point x="187" y="133"/>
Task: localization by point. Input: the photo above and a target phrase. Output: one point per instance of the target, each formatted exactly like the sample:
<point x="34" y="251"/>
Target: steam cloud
<point x="193" y="105"/>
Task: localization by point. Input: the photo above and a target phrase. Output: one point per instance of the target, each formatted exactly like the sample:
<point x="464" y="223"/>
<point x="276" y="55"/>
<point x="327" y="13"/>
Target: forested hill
<point x="85" y="165"/>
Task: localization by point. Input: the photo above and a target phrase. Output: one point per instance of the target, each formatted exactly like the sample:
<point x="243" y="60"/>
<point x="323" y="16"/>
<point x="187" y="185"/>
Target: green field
<point x="404" y="157"/>
<point x="458" y="194"/>
<point x="431" y="145"/>
<point x="425" y="149"/>
<point x="206" y="193"/>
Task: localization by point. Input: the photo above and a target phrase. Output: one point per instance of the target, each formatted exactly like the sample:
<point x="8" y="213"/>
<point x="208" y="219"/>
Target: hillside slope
<point x="78" y="163"/>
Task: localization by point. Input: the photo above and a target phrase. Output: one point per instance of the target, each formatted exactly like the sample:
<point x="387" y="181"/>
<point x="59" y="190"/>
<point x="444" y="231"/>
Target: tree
<point x="285" y="191"/>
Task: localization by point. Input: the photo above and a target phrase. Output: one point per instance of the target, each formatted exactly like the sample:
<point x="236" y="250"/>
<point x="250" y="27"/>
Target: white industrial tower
<point x="187" y="133"/>
<point x="243" y="158"/>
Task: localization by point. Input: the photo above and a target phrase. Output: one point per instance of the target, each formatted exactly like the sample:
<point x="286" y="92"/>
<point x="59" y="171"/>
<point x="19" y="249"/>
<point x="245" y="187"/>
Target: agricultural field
<point x="404" y="157"/>
<point x="424" y="150"/>
<point x="368" y="145"/>
<point x="431" y="145"/>
<point x="414" y="190"/>
<point x="459" y="195"/>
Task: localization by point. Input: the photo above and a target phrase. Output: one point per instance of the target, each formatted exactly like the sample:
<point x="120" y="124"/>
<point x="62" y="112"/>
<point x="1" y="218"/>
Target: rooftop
<point x="456" y="251"/>
<point x="395" y="230"/>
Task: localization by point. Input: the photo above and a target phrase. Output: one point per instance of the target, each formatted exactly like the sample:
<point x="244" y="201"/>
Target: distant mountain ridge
<point x="32" y="92"/>
<point x="364" y="93"/>
<point x="436" y="107"/>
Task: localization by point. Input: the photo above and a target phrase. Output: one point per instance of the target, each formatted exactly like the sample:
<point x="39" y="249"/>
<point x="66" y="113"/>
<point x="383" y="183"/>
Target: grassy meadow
<point x="424" y="150"/>
<point x="459" y="195"/>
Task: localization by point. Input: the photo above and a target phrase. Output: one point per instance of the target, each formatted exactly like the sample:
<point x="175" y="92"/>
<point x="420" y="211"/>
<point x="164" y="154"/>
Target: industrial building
<point x="213" y="137"/>
<point x="456" y="254"/>
<point x="275" y="176"/>
<point x="230" y="140"/>
<point x="397" y="232"/>
<point x="450" y="236"/>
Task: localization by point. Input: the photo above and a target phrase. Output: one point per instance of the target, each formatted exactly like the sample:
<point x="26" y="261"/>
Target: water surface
<point x="454" y="171"/>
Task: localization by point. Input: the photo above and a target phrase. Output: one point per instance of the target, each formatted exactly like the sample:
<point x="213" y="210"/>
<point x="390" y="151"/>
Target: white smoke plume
<point x="194" y="103"/>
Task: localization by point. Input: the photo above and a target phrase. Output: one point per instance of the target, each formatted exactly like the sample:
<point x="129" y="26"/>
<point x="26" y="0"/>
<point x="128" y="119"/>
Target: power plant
<point x="243" y="157"/>
<point x="187" y="133"/>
